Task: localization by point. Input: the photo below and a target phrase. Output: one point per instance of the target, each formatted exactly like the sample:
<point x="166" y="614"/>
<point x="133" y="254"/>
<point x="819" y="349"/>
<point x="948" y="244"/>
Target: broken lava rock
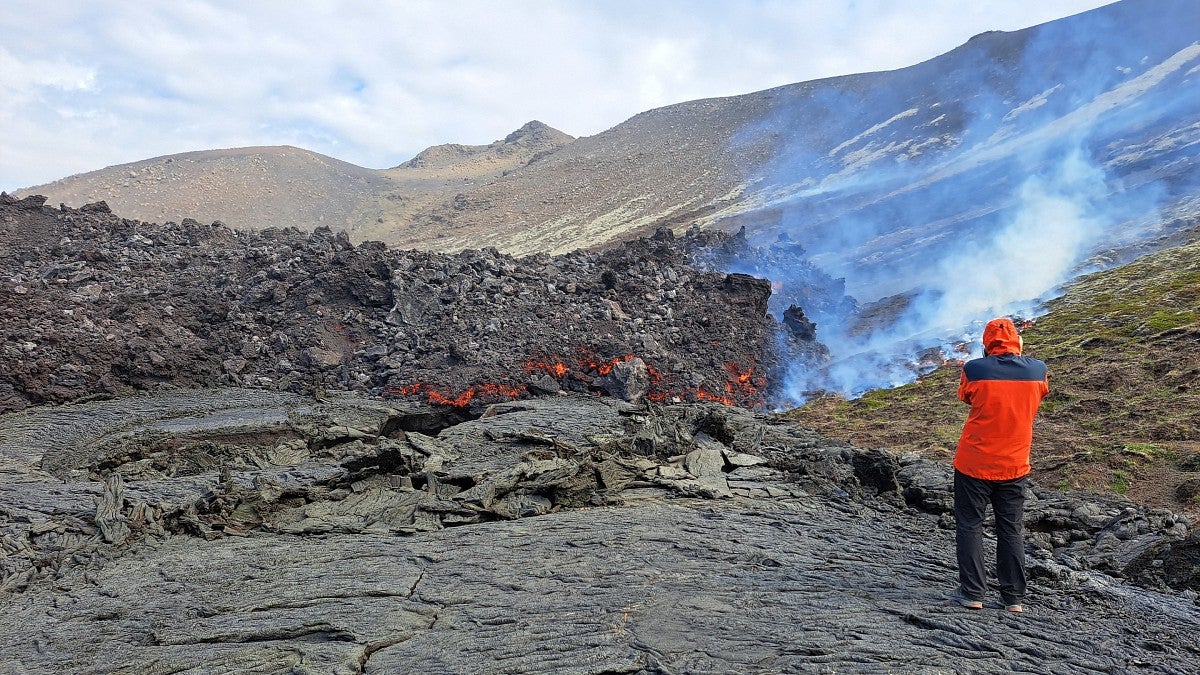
<point x="206" y="530"/>
<point x="112" y="305"/>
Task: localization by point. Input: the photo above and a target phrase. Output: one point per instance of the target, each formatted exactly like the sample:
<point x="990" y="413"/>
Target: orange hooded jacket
<point x="1004" y="390"/>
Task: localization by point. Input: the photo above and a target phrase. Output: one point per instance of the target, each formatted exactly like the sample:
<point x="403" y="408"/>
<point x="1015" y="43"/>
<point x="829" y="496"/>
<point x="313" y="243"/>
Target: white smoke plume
<point x="972" y="187"/>
<point x="1061" y="215"/>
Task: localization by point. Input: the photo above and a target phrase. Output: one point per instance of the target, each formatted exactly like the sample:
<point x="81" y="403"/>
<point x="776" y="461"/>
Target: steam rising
<point x="1008" y="270"/>
<point x="1035" y="252"/>
<point x="971" y="186"/>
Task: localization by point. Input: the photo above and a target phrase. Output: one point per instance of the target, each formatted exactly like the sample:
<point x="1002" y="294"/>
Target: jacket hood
<point x="1000" y="337"/>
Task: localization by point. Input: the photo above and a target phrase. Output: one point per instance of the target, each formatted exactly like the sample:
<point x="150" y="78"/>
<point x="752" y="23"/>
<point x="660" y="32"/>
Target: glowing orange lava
<point x="741" y="385"/>
<point x="557" y="368"/>
<point x="604" y="368"/>
<point x="462" y="400"/>
<point x="705" y="395"/>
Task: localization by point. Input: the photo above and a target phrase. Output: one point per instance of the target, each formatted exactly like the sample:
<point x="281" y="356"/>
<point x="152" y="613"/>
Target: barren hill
<point x="440" y="177"/>
<point x="255" y="187"/>
<point x="894" y="163"/>
<point x="261" y="187"/>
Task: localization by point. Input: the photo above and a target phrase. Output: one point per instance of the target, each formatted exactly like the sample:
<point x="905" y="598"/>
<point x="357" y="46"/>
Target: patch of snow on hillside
<point x="1006" y="143"/>
<point x="933" y="122"/>
<point x="869" y="154"/>
<point x="943" y="142"/>
<point x="1139" y="85"/>
<point x="907" y="113"/>
<point x="1032" y="104"/>
<point x="1175" y="141"/>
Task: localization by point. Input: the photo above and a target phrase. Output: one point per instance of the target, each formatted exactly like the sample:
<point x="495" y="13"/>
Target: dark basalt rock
<point x="240" y="529"/>
<point x="100" y="305"/>
<point x="799" y="325"/>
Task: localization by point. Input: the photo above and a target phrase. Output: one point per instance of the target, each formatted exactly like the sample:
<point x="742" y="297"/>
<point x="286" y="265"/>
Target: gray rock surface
<point x="205" y="531"/>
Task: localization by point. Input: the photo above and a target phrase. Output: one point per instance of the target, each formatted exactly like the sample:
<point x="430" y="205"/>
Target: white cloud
<point x="18" y="77"/>
<point x="90" y="84"/>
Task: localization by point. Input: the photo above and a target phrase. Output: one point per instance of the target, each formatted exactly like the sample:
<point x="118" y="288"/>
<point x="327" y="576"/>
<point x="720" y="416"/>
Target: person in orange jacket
<point x="1004" y="390"/>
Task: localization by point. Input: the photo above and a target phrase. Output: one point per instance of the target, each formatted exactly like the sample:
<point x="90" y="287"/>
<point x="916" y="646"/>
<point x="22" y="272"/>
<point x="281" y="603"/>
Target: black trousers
<point x="971" y="498"/>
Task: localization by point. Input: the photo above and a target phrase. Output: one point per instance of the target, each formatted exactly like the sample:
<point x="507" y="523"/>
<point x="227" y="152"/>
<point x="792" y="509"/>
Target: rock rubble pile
<point x="98" y="304"/>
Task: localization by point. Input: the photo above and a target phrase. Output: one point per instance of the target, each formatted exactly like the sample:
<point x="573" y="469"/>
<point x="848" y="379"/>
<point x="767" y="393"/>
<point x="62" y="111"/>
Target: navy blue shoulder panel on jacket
<point x="1005" y="367"/>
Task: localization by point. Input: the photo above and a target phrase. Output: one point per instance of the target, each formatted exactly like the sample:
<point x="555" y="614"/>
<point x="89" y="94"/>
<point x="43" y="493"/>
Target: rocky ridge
<point x="100" y="305"/>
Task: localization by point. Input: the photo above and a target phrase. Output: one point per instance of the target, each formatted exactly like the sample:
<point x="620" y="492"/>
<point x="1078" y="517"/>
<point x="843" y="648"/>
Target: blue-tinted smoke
<point x="970" y="186"/>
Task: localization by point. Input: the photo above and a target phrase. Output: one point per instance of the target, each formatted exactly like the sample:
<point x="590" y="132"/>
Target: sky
<point x="86" y="84"/>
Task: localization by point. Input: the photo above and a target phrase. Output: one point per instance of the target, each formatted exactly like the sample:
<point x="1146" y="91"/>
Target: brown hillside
<point x="669" y="166"/>
<point x="260" y="187"/>
<point x="812" y="159"/>
<point x="442" y="177"/>
<point x="245" y="187"/>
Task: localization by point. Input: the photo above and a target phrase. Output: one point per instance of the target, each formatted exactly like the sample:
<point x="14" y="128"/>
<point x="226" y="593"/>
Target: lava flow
<point x="586" y="364"/>
<point x="740" y="386"/>
<point x="462" y="400"/>
<point x="603" y="367"/>
<point x="557" y="368"/>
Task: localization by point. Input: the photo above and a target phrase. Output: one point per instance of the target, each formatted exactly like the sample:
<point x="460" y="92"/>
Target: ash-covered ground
<point x="96" y="304"/>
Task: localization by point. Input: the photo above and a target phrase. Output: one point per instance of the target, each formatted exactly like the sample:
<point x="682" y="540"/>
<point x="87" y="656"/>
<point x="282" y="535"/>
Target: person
<point x="991" y="464"/>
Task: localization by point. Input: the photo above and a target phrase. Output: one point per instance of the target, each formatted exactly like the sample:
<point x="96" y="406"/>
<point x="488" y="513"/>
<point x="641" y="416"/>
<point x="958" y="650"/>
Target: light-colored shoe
<point x="1015" y="608"/>
<point x="964" y="601"/>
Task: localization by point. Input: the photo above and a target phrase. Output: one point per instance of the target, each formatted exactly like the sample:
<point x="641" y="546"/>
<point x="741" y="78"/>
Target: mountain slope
<point x="893" y="164"/>
<point x="890" y="165"/>
<point x="1124" y="409"/>
<point x="255" y="187"/>
<point x="446" y="174"/>
<point x="261" y="187"/>
<point x="973" y="184"/>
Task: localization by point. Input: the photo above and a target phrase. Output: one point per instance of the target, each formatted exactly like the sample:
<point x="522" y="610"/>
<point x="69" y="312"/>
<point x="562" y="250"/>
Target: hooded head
<point x="1000" y="337"/>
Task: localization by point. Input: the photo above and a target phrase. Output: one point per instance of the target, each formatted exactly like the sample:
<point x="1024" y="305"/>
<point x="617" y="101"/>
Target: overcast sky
<point x="86" y="84"/>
